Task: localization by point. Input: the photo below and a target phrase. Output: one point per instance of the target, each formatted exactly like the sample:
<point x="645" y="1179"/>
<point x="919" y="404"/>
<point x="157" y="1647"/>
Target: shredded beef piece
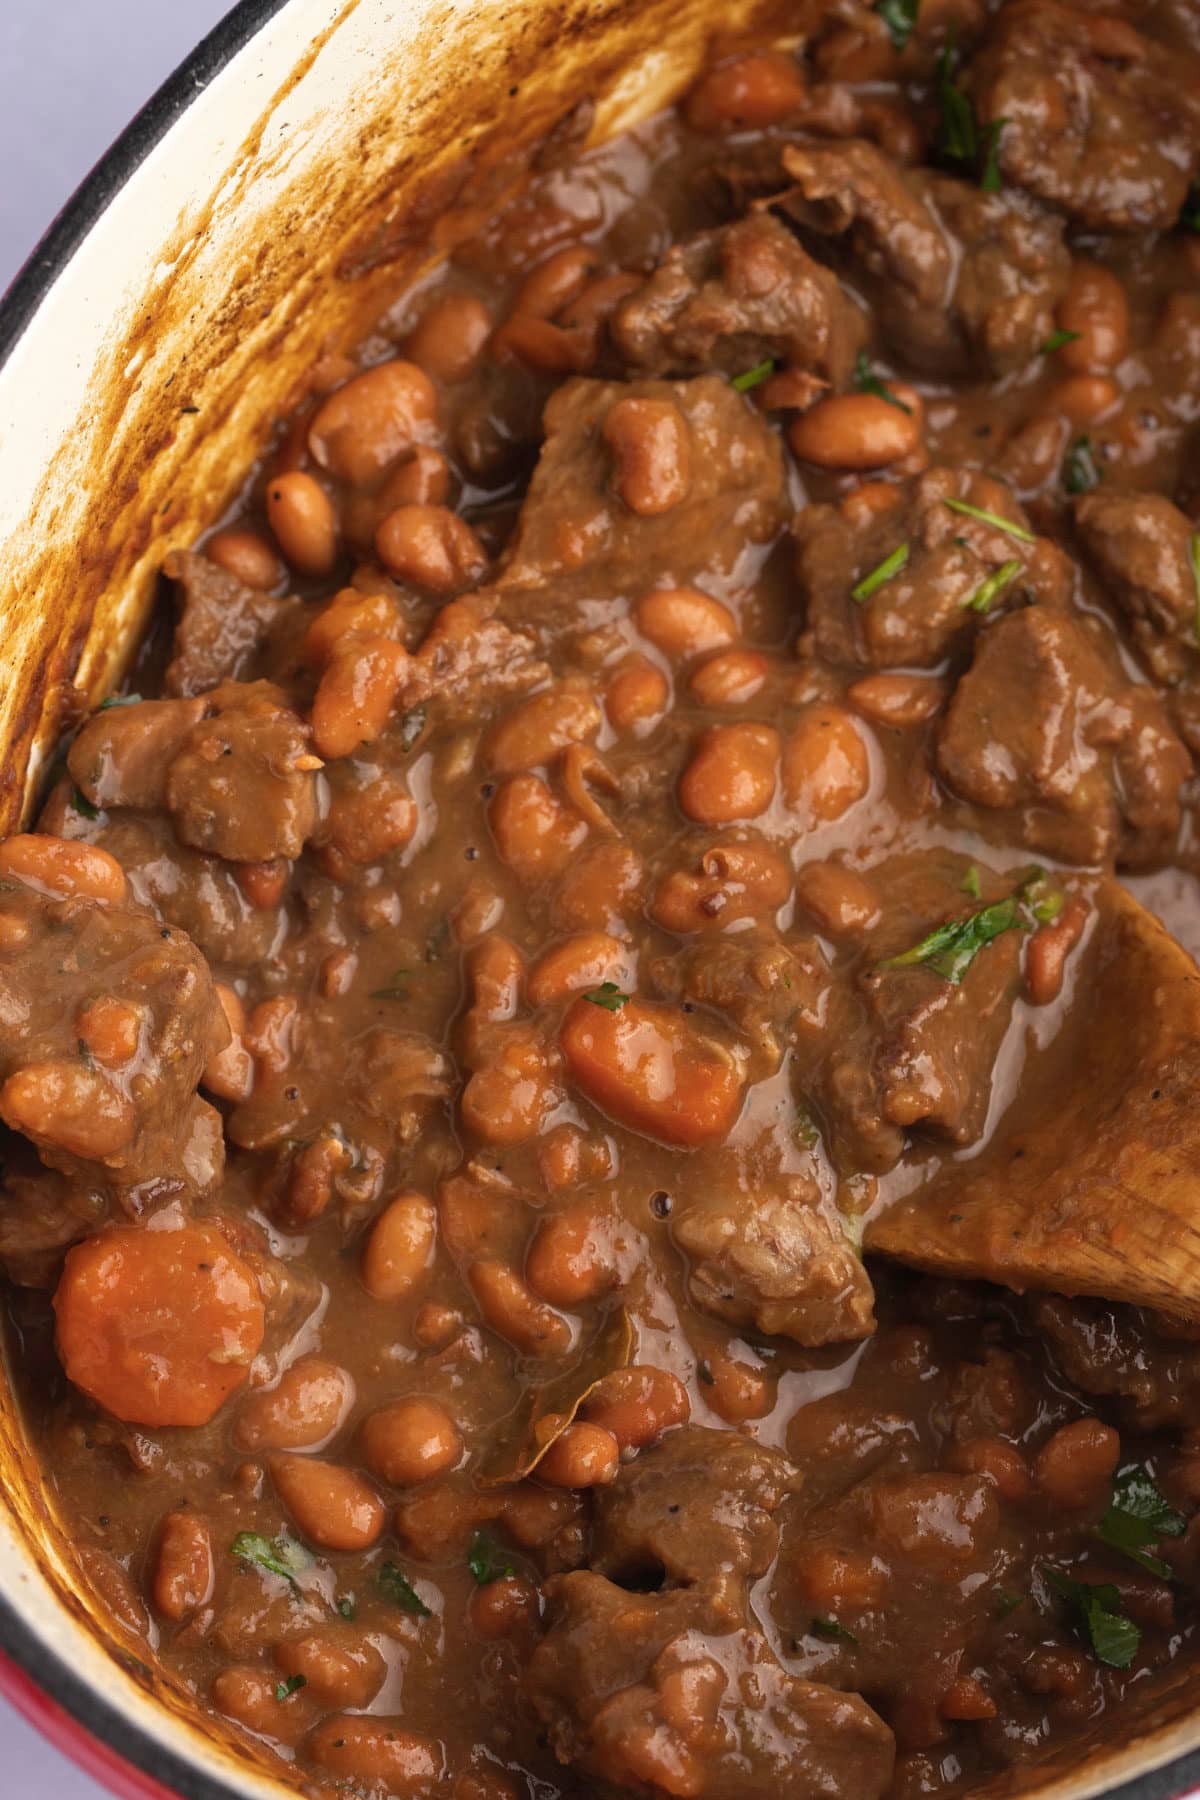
<point x="221" y="625"/>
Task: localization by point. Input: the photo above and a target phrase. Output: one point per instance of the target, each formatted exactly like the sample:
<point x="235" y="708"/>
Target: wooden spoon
<point x="1092" y="1184"/>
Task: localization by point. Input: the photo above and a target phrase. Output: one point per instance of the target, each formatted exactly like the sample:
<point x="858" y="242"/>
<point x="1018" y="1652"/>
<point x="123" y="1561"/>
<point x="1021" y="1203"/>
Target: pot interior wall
<point x="257" y="235"/>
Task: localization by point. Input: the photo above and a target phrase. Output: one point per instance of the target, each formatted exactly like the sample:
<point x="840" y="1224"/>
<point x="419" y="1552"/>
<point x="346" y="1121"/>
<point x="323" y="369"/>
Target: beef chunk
<point x="779" y="1261"/>
<point x="109" y="1019"/>
<point x="221" y="624"/>
<point x="243" y="783"/>
<point x="1043" y="727"/>
<point x="1097" y="120"/>
<point x="907" y="1048"/>
<point x="1115" y="1353"/>
<point x="1140" y="547"/>
<point x="468" y="659"/>
<point x="695" y="1504"/>
<point x="42" y="1213"/>
<point x="606" y="1678"/>
<point x="925" y="609"/>
<point x="729" y="298"/>
<point x="758" y="981"/>
<point x="958" y="277"/>
<point x="122" y="754"/>
<point x="574" y="523"/>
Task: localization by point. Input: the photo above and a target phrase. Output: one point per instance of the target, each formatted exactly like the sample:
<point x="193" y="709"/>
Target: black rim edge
<point x="18" y="305"/>
<point x="91" y="198"/>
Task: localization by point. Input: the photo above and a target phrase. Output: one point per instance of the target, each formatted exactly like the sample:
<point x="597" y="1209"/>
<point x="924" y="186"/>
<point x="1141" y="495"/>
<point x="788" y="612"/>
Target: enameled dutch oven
<point x="309" y="156"/>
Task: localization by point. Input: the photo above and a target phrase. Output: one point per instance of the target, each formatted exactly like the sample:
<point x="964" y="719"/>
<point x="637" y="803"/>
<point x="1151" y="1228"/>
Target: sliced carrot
<point x="158" y="1327"/>
<point x="650" y="1069"/>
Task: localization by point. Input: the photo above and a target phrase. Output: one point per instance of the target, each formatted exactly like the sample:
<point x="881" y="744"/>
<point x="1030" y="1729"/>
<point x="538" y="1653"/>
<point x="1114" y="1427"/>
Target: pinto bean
<point x="430" y="546"/>
<point x="856" y="431"/>
<point x="496" y="971"/>
<point x="450" y="336"/>
<point x="411" y="1441"/>
<point x="307" y="1405"/>
<point x="638" y="1404"/>
<point x="366" y="615"/>
<point x="1001" y="1462"/>
<point x="535" y="834"/>
<point x="584" y="1455"/>
<point x="70" y="1106"/>
<point x="556" y="282"/>
<point x="600" y="889"/>
<point x="249" y="1695"/>
<point x="1085" y="398"/>
<point x="375" y="418"/>
<point x="730" y="679"/>
<point x="63" y="868"/>
<point x="651" y="452"/>
<point x="507" y="1608"/>
<point x="368" y="823"/>
<point x="533" y="732"/>
<point x="581" y="962"/>
<point x="570" y="1259"/>
<point x="841" y="902"/>
<point x="835" y="1582"/>
<point x="1095" y="307"/>
<point x="747" y="93"/>
<point x="684" y="622"/>
<point x="1049" y="949"/>
<point x="1075" y="1465"/>
<point x="338" y="1668"/>
<point x="898" y="700"/>
<point x="301" y="515"/>
<point x="356" y="692"/>
<point x="731" y="775"/>
<point x="111" y="1028"/>
<point x="648" y="1067"/>
<point x="399" y="1248"/>
<point x="229" y="1073"/>
<point x="826" y="765"/>
<point x="739" y="879"/>
<point x="636" y="696"/>
<point x="333" y="1506"/>
<point x="507" y="1101"/>
<point x="378" y="1752"/>
<point x="515" y="1313"/>
<point x="183" y="1569"/>
<point x="540" y="345"/>
<point x="245" y="556"/>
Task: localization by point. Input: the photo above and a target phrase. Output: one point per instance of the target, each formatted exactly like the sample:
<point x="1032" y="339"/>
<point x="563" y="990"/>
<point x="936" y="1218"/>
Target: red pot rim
<point x="91" y="1754"/>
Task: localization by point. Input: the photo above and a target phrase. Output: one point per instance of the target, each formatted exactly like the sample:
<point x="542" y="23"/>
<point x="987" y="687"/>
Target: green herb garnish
<point x="1079" y="471"/>
<point x="412" y="724"/>
<point x="995" y="584"/>
<point x="950" y="949"/>
<point x="1044" y="901"/>
<point x="1056" y="340"/>
<point x="83" y="805"/>
<point x="395" y="1586"/>
<point x="1189" y="218"/>
<point x="958" y="137"/>
<point x="970" y="883"/>
<point x="608" y="995"/>
<point x="991" y="180"/>
<point x="281" y="1556"/>
<point x="900" y="16"/>
<point x="1113" y="1638"/>
<point x="1138" y="1515"/>
<point x="484" y="1559"/>
<point x="868" y="383"/>
<point x="1006" y="1601"/>
<point x="119" y="700"/>
<point x="1194" y="557"/>
<point x="831" y="1631"/>
<point x="750" y="378"/>
<point x="347" y="1608"/>
<point x="1008" y="526"/>
<point x="291" y="1686"/>
<point x="891" y="565"/>
<point x="397" y="991"/>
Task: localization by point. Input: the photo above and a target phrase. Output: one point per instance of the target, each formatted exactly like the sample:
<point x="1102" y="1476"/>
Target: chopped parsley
<point x="751" y="378"/>
<point x="891" y="565"/>
<point x="397" y="990"/>
<point x="1007" y="1601"/>
<point x="1138" y="1515"/>
<point x="1189" y="218"/>
<point x="291" y="1686"/>
<point x="832" y="1631"/>
<point x="1194" y="557"/>
<point x="868" y="383"/>
<point x="281" y="1556"/>
<point x="991" y="180"/>
<point x="995" y="584"/>
<point x="950" y="949"/>
<point x="83" y="805"/>
<point x="958" y="135"/>
<point x="484" y="1559"/>
<point x="1056" y="341"/>
<point x="1113" y="1638"/>
<point x="970" y="883"/>
<point x="1044" y="901"/>
<point x="1009" y="526"/>
<point x="395" y="1586"/>
<point x="608" y="995"/>
<point x="900" y="16"/>
<point x="1079" y="471"/>
<point x="347" y="1608"/>
<point x="412" y="724"/>
<point x="119" y="700"/>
